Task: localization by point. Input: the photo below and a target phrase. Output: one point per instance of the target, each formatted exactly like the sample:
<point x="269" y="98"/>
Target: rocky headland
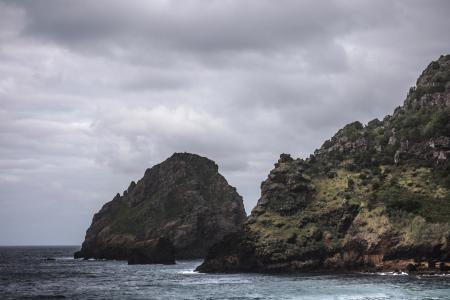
<point x="373" y="197"/>
<point x="182" y="203"/>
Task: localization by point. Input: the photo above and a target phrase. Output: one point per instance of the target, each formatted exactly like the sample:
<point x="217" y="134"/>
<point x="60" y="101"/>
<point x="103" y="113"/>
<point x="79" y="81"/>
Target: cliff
<point x="373" y="197"/>
<point x="183" y="199"/>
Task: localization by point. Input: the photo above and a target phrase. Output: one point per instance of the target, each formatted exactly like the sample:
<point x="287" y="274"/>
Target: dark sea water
<point x="50" y="272"/>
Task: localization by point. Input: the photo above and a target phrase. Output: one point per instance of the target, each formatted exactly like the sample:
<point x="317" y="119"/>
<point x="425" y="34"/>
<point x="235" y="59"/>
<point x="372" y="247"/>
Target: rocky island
<point x="179" y="209"/>
<point x="373" y="197"/>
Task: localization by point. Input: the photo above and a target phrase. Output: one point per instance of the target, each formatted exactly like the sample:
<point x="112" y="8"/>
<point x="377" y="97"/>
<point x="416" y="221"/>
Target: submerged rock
<point x="374" y="197"/>
<point x="183" y="199"/>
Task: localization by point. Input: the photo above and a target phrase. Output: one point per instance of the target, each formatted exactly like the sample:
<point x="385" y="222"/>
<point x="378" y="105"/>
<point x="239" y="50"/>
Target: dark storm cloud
<point x="199" y="26"/>
<point x="94" y="92"/>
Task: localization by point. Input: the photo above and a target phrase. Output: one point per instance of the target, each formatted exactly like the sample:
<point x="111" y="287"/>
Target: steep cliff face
<point x="183" y="199"/>
<point x="372" y="197"/>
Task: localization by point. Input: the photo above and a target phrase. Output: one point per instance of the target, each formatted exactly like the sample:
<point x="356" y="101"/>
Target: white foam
<point x="190" y="272"/>
<point x="392" y="273"/>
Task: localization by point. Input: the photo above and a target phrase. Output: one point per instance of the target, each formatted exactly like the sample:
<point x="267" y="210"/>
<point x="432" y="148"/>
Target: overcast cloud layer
<point x="94" y="92"/>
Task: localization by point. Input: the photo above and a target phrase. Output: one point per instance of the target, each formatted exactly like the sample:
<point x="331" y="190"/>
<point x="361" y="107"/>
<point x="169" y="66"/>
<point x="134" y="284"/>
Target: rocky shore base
<point x="154" y="251"/>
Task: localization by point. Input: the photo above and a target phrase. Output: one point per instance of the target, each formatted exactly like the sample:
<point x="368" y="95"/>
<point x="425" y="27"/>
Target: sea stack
<point x="183" y="200"/>
<point x="373" y="197"/>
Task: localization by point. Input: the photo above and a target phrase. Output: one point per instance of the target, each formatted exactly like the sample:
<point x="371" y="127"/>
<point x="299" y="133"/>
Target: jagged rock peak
<point x="431" y="90"/>
<point x="418" y="129"/>
<point x="284" y="182"/>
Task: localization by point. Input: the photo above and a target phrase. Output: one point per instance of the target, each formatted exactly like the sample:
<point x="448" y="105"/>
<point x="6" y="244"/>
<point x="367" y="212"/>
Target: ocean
<point x="51" y="273"/>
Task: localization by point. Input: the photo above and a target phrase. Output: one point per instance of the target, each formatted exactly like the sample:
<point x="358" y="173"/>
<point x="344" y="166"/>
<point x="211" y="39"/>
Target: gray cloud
<point x="94" y="92"/>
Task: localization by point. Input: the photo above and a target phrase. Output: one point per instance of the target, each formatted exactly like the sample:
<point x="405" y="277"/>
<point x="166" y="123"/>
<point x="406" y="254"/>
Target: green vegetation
<point x="397" y="198"/>
<point x="418" y="125"/>
<point x="274" y="226"/>
<point x="438" y="125"/>
<point x="412" y="188"/>
<point x="134" y="219"/>
<point x="352" y="130"/>
<point x="441" y="174"/>
<point x="408" y="190"/>
<point x="418" y="92"/>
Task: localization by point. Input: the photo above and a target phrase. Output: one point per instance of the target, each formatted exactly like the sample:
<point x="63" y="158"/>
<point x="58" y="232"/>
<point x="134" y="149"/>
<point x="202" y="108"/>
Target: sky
<point x="94" y="92"/>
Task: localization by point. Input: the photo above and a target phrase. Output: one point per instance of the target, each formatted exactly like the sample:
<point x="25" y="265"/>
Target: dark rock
<point x="183" y="199"/>
<point x="411" y="268"/>
<point x="157" y="251"/>
<point x="443" y="267"/>
<point x="235" y="253"/>
<point x="285" y="158"/>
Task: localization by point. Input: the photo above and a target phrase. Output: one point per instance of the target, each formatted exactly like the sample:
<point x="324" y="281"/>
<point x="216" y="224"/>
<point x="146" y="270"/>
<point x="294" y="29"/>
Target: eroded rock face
<point x="374" y="197"/>
<point x="183" y="199"/>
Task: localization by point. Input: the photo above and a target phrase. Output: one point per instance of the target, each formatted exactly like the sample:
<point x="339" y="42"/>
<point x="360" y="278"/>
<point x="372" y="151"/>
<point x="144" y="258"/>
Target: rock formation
<point x="374" y="197"/>
<point x="183" y="199"/>
<point x="157" y="251"/>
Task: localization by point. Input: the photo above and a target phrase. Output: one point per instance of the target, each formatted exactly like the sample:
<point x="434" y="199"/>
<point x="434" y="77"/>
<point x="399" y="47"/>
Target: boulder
<point x="156" y="251"/>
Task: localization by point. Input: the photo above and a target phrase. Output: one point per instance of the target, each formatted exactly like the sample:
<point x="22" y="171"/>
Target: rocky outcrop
<point x="157" y="251"/>
<point x="235" y="253"/>
<point x="183" y="199"/>
<point x="287" y="182"/>
<point x="373" y="197"/>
